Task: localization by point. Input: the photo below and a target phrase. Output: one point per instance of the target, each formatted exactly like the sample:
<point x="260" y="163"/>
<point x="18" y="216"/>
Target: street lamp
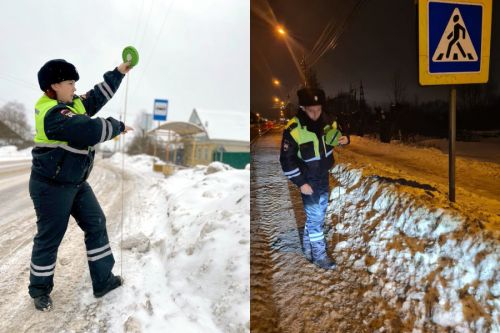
<point x="276" y="99"/>
<point x="276" y="82"/>
<point x="281" y="30"/>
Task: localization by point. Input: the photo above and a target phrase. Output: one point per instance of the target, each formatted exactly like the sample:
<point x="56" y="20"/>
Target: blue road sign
<point x="454" y="41"/>
<point x="160" y="109"/>
<point x="455" y="37"/>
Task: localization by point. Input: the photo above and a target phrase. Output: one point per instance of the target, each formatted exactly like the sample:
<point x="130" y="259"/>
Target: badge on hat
<point x="311" y="96"/>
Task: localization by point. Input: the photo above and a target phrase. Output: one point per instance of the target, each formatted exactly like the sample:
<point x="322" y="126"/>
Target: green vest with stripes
<point x="301" y="135"/>
<point x="43" y="106"/>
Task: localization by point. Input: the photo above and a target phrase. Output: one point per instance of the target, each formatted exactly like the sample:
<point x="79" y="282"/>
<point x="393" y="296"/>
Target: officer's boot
<point x="319" y="256"/>
<point x="114" y="282"/>
<point x="43" y="303"/>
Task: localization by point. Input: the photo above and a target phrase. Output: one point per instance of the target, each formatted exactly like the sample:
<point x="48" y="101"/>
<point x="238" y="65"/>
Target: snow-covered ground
<point x="188" y="267"/>
<point x="185" y="254"/>
<point x="487" y="149"/>
<point x="408" y="259"/>
<point x="439" y="261"/>
<point x="12" y="152"/>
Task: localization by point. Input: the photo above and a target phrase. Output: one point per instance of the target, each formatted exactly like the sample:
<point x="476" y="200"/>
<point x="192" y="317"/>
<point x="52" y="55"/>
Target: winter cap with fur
<point x="311" y="96"/>
<point x="55" y="71"/>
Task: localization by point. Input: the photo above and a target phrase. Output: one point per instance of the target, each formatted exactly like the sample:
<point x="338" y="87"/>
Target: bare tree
<point x="13" y="114"/>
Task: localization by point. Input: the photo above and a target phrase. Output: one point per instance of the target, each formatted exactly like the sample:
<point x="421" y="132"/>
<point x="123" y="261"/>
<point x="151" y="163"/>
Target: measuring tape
<point x="130" y="55"/>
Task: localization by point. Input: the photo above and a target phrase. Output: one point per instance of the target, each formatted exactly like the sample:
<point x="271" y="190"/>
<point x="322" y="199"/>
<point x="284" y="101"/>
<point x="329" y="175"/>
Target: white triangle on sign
<point x="455" y="44"/>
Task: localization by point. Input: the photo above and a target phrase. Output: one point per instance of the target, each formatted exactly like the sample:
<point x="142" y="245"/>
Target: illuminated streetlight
<point x="281" y="30"/>
<point x="276" y="99"/>
<point x="276" y="82"/>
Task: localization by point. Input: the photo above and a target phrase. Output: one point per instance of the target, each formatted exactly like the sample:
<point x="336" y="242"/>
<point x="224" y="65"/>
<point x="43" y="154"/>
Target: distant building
<point x="209" y="135"/>
<point x="226" y="138"/>
<point x="9" y="137"/>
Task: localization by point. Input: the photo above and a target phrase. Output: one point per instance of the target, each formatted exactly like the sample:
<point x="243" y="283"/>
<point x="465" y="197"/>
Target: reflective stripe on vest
<point x="42" y="107"/>
<point x="301" y="135"/>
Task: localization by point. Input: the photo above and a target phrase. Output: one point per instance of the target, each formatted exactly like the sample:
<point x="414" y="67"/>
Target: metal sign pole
<point x="447" y="57"/>
<point x="451" y="143"/>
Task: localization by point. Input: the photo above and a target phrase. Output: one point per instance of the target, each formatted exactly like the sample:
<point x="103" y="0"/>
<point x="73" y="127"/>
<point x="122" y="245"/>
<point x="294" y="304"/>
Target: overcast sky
<point x="194" y="53"/>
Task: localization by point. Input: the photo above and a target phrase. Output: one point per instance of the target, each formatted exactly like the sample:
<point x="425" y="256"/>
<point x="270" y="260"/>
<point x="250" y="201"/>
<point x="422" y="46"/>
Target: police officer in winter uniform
<point x="62" y="160"/>
<point x="306" y="157"/>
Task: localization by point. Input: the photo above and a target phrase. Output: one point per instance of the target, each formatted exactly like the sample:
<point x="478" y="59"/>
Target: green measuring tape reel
<point x="131" y="55"/>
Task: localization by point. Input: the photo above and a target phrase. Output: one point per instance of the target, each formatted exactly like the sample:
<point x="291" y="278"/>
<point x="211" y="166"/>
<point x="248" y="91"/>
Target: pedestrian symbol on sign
<point x="455" y="44"/>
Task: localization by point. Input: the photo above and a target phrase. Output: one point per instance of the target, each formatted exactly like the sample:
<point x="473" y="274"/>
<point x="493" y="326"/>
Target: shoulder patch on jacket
<point x="67" y="113"/>
<point x="285" y="145"/>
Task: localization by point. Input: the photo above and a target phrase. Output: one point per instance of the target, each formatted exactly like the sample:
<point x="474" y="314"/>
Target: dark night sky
<point x="379" y="41"/>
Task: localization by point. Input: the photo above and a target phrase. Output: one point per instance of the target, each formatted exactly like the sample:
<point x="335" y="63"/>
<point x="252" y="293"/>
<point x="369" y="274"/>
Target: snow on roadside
<point x="207" y="254"/>
<point x="186" y="252"/>
<point x="488" y="149"/>
<point x="11" y="153"/>
<point x="436" y="263"/>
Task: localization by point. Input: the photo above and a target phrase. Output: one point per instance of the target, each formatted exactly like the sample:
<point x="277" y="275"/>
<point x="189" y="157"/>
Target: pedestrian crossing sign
<point x="454" y="41"/>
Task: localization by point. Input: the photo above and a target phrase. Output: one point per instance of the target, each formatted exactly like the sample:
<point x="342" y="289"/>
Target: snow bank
<point x="9" y="153"/>
<point x="207" y="252"/>
<point x="185" y="251"/>
<point x="437" y="264"/>
<point x="138" y="163"/>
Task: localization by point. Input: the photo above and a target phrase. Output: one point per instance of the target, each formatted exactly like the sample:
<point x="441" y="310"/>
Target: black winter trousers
<point x="54" y="203"/>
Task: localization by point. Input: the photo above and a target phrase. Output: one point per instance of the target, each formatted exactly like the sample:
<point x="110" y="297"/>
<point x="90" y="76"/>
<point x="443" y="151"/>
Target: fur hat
<point x="311" y="96"/>
<point x="55" y="71"/>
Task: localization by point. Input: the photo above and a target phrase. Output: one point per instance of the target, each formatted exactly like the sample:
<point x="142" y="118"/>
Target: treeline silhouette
<point x="478" y="112"/>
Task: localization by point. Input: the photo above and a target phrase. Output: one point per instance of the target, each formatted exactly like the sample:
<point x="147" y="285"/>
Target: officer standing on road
<point x="306" y="157"/>
<point x="62" y="160"/>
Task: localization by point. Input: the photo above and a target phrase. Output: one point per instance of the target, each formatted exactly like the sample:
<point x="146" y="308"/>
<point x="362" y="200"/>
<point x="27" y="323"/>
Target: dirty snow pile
<point x="185" y="251"/>
<point x="432" y="264"/>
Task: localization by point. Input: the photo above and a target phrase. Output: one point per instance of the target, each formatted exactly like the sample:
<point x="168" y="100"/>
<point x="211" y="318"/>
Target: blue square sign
<point x="160" y="109"/>
<point x="454" y="41"/>
<point x="454" y="37"/>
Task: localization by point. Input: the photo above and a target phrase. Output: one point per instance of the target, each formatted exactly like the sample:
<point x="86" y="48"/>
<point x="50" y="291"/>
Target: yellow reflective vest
<point x="309" y="145"/>
<point x="43" y="105"/>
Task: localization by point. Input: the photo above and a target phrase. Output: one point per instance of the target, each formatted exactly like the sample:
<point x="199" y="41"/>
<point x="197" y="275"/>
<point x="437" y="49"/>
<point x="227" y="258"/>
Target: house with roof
<point x="225" y="138"/>
<point x="208" y="135"/>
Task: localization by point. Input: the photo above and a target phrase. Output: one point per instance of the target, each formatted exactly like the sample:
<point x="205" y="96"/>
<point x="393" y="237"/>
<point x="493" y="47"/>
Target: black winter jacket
<point x="314" y="173"/>
<point x="73" y="164"/>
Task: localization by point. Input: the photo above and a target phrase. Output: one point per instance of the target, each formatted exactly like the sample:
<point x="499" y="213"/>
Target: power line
<point x="20" y="82"/>
<point x="331" y="34"/>
<point x="147" y="24"/>
<point x="138" y="23"/>
<point x="155" y="44"/>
